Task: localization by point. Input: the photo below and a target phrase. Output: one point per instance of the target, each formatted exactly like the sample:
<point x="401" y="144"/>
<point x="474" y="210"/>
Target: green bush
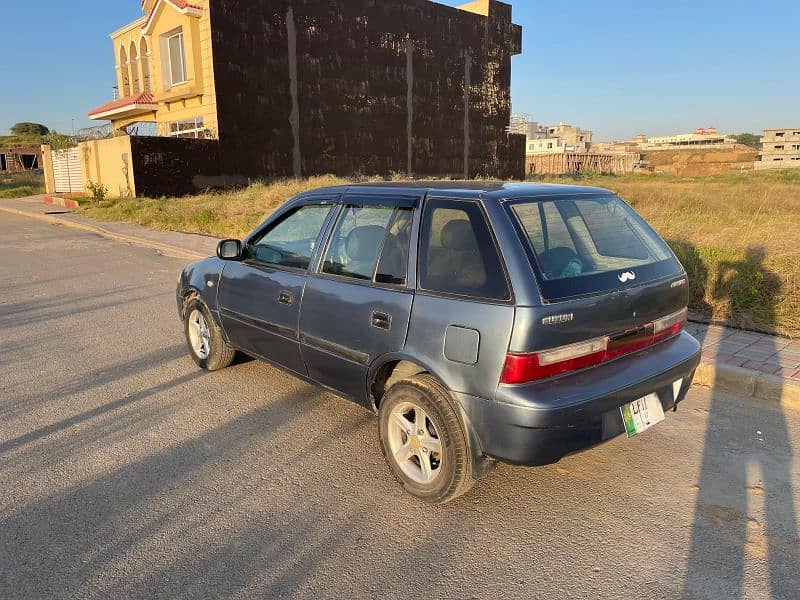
<point x="98" y="191"/>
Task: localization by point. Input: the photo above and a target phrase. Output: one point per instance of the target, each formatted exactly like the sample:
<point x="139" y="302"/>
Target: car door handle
<point x="285" y="298"/>
<point x="381" y="320"/>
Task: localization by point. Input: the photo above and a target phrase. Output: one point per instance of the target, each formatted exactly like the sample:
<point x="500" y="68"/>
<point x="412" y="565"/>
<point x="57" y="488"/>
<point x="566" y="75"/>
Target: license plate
<point x="642" y="414"/>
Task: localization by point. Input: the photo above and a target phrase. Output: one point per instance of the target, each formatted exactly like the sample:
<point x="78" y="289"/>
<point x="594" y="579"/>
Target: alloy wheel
<point x="415" y="443"/>
<point x="199" y="335"/>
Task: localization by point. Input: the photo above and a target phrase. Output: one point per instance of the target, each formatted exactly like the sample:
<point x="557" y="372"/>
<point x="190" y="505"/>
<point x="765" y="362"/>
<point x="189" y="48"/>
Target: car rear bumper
<point x="539" y="423"/>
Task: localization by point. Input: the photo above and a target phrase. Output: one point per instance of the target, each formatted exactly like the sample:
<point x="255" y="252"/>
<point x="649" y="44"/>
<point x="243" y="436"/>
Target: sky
<point x="617" y="67"/>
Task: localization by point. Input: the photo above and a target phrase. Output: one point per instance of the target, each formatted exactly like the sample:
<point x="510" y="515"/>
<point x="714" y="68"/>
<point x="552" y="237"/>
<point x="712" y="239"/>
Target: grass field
<point x="21" y="185"/>
<point x="738" y="234"/>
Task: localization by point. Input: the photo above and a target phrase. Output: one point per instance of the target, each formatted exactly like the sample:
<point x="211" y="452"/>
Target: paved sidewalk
<point x="754" y="351"/>
<point x="182" y="245"/>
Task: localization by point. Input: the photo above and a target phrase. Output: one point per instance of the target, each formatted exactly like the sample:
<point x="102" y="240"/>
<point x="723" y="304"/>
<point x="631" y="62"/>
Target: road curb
<point x="129" y="239"/>
<point x="59" y="201"/>
<point x="750" y="384"/>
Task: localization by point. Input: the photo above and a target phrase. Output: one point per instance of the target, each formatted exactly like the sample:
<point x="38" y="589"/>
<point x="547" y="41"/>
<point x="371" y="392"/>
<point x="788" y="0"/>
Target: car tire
<point x="207" y="345"/>
<point x="435" y="474"/>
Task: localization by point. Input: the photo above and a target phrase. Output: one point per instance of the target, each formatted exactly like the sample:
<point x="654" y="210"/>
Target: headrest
<point x="458" y="235"/>
<point x="556" y="259"/>
<point x="363" y="243"/>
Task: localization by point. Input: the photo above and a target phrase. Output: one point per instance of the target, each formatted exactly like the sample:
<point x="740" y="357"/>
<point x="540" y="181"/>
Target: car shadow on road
<point x="744" y="512"/>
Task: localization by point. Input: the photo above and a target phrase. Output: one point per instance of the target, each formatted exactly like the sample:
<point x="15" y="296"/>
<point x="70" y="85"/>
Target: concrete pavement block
<point x="777" y="389"/>
<point x="749" y="383"/>
<point x="735" y="380"/>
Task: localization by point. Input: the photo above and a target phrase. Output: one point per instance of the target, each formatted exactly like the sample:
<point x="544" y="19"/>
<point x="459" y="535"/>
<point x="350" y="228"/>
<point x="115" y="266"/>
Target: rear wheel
<point x="424" y="440"/>
<point x="204" y="338"/>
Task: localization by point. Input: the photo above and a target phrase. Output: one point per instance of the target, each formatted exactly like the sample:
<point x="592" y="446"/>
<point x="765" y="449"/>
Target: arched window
<point x="134" y="60"/>
<point x="124" y="73"/>
<point x="144" y="60"/>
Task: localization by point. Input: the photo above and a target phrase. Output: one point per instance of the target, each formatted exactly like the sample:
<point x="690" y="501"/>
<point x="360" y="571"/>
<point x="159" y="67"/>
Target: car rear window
<point x="587" y="244"/>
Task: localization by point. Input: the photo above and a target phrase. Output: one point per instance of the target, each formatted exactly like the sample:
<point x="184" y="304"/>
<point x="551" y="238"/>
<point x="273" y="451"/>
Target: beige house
<point x="780" y="149"/>
<point x="561" y="138"/>
<point x="165" y="76"/>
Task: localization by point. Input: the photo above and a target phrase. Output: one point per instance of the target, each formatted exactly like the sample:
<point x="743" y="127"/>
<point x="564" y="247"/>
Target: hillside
<point x="701" y="162"/>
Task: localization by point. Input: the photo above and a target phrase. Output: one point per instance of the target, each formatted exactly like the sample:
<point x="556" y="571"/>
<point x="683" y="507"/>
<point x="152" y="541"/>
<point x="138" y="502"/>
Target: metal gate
<point x="67" y="171"/>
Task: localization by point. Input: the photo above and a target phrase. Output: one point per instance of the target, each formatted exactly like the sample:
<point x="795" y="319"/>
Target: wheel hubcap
<point x="414" y="443"/>
<point x="199" y="335"/>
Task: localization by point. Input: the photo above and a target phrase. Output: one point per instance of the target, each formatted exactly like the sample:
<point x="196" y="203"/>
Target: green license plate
<point x="642" y="414"/>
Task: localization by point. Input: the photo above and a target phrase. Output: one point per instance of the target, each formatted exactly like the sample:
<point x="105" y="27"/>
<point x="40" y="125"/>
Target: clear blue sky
<point x="616" y="66"/>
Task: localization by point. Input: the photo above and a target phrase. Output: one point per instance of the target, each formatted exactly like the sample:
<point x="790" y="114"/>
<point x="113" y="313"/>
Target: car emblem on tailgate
<point x="627" y="276"/>
<point x="556" y="319"/>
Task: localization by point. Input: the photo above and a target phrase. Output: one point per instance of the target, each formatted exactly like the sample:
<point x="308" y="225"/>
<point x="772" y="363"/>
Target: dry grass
<point x="221" y="214"/>
<point x="738" y="235"/>
<point x="20" y="185"/>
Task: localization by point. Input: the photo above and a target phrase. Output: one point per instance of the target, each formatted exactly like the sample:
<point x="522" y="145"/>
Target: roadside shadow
<point x="744" y="512"/>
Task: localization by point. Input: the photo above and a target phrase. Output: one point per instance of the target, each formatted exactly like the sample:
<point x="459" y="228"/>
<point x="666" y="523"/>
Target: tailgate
<point x="607" y="314"/>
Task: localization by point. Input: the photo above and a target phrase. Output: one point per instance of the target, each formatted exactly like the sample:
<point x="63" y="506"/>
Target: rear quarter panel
<point x="430" y="318"/>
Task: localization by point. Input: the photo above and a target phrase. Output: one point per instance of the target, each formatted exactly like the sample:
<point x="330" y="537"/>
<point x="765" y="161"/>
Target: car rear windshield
<point x="586" y="244"/>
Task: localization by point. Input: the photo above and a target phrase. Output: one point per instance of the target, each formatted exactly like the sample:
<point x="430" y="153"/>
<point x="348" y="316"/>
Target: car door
<point x="259" y="298"/>
<point x="357" y="304"/>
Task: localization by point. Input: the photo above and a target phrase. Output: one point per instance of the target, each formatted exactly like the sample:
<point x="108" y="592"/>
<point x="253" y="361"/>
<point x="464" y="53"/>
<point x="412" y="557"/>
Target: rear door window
<point x="370" y="243"/>
<point x="585" y="244"/>
<point x="458" y="253"/>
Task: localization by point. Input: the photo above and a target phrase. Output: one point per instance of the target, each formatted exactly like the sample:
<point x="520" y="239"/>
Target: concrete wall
<point x="358" y="86"/>
<point x="176" y="167"/>
<point x="109" y="162"/>
<point x="47" y="169"/>
<point x="131" y="166"/>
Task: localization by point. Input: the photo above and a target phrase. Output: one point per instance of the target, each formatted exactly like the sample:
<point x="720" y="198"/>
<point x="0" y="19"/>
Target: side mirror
<point x="230" y="250"/>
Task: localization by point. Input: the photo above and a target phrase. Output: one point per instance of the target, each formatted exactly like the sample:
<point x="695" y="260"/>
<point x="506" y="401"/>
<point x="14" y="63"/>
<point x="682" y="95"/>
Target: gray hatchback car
<point x="481" y="322"/>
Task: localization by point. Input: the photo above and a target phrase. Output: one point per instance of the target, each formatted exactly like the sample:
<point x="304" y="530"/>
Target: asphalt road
<point x="126" y="472"/>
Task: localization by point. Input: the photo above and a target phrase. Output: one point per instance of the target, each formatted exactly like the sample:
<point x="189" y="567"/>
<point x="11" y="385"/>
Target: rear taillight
<point x="523" y="368"/>
<point x="670" y="325"/>
<point x="520" y="368"/>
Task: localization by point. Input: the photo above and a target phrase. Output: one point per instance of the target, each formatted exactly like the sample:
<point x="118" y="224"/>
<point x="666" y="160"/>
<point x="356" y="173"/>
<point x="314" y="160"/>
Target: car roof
<point x="498" y="190"/>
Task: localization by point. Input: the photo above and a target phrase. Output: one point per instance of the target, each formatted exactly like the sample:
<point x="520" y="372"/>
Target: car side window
<point x="393" y="266"/>
<point x="458" y="254"/>
<point x="290" y="242"/>
<point x="363" y="234"/>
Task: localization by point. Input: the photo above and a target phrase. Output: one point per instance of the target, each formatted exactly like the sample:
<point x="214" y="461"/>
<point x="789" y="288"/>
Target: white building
<point x="701" y="137"/>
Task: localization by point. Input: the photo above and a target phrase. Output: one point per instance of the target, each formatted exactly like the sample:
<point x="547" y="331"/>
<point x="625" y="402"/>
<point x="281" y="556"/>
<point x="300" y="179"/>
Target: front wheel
<point x="424" y="440"/>
<point x="207" y="346"/>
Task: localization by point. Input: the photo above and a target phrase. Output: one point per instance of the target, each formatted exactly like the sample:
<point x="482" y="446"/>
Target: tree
<point x="59" y="141"/>
<point x="749" y="139"/>
<point x="29" y="129"/>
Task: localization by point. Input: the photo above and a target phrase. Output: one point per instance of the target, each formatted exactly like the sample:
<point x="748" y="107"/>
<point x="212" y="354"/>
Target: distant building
<point x="17" y="159"/>
<point x="780" y="149"/>
<point x="700" y="138"/>
<point x="556" y="139"/>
